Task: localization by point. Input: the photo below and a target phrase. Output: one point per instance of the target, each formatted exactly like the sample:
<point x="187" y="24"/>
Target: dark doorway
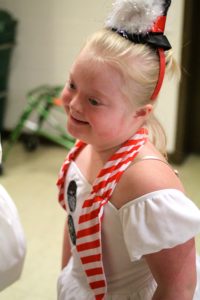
<point x="188" y="133"/>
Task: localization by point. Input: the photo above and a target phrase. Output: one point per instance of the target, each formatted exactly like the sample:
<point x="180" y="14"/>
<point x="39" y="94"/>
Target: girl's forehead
<point x="91" y="74"/>
<point x="88" y="60"/>
<point x="91" y="65"/>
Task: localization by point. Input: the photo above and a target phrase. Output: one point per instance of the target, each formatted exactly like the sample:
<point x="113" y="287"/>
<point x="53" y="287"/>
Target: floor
<point x="30" y="179"/>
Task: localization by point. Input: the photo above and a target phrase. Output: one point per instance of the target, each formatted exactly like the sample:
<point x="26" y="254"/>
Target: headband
<point x="143" y="22"/>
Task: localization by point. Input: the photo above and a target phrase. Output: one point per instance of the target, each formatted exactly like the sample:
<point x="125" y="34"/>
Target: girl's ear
<point x="144" y="111"/>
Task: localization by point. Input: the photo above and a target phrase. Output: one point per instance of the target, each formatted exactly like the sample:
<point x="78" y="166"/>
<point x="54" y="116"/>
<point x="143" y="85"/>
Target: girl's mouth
<point x="78" y="121"/>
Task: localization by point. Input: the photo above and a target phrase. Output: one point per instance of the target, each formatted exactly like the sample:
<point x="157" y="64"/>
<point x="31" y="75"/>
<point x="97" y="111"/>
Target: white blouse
<point x="155" y="221"/>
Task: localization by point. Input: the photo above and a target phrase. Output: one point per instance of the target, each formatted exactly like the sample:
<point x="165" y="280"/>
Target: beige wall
<point x="50" y="33"/>
<point x="167" y="108"/>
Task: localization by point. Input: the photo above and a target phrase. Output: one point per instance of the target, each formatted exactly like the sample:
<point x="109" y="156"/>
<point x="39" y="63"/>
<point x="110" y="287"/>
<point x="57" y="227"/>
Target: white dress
<point x="158" y="220"/>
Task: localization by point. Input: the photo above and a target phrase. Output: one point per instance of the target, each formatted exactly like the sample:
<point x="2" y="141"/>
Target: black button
<point x="71" y="195"/>
<point x="71" y="228"/>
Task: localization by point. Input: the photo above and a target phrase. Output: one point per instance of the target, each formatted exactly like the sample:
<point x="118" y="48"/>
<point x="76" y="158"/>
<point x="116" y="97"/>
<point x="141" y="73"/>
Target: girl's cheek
<point x="66" y="98"/>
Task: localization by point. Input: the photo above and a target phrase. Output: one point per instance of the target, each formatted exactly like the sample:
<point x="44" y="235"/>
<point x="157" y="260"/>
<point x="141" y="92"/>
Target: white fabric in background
<point x="12" y="241"/>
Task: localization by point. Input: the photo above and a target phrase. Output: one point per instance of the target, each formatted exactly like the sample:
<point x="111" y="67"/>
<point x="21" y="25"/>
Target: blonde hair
<point x="138" y="64"/>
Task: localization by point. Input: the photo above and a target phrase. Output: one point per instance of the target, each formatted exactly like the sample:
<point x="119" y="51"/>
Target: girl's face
<point x="98" y="112"/>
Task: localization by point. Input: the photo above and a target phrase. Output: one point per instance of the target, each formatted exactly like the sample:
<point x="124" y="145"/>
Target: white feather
<point x="135" y="16"/>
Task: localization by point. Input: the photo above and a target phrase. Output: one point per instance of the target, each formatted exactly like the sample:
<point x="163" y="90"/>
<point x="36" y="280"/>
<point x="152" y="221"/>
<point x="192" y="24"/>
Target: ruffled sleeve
<point x="159" y="220"/>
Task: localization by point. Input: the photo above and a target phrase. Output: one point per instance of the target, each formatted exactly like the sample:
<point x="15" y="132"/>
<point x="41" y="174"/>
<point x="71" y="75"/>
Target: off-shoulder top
<point x="155" y="221"/>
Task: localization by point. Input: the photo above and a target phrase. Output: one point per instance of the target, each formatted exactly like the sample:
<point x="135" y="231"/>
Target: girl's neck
<point x="91" y="160"/>
<point x="101" y="155"/>
<point x="106" y="151"/>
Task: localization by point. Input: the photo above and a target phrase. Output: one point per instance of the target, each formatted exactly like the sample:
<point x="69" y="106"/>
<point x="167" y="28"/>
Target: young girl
<point x="130" y="228"/>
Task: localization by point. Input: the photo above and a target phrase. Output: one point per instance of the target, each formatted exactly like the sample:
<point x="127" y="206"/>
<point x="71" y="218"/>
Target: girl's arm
<point x="66" y="250"/>
<point x="174" y="271"/>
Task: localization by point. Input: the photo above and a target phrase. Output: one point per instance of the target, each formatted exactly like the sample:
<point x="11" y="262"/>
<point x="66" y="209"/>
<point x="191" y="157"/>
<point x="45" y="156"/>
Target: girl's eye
<point x="71" y="86"/>
<point x="94" y="102"/>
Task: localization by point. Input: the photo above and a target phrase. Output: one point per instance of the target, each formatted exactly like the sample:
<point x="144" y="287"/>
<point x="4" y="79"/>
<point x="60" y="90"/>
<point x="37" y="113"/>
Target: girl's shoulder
<point x="150" y="172"/>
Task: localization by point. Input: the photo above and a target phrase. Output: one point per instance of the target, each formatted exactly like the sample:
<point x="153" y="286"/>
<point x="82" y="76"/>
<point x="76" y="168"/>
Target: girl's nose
<point x="75" y="104"/>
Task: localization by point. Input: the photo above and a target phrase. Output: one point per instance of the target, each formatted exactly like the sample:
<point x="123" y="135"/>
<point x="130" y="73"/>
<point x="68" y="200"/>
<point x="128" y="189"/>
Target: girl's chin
<point x="75" y="131"/>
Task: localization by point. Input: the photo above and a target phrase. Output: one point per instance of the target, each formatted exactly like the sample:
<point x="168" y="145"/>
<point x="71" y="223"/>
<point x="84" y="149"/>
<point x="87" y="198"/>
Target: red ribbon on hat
<point x="159" y="27"/>
<point x="161" y="54"/>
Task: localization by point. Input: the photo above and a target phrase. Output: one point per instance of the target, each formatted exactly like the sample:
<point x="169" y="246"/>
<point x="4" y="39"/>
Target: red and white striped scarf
<point x="88" y="233"/>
